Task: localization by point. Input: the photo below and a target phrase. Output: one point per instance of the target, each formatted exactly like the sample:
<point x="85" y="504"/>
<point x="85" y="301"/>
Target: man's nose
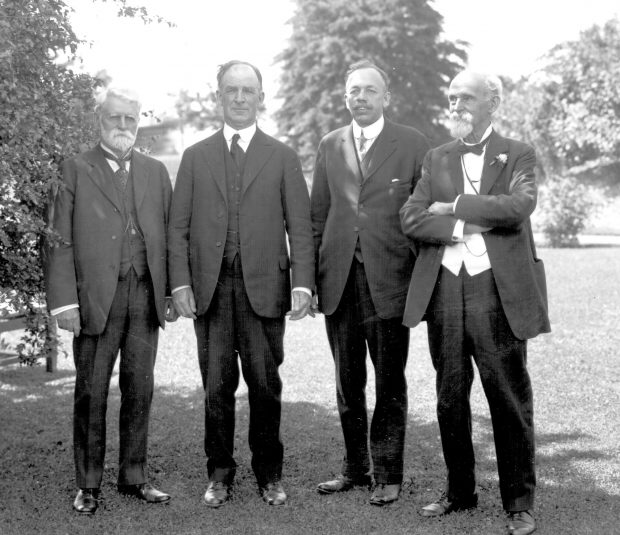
<point x="239" y="95"/>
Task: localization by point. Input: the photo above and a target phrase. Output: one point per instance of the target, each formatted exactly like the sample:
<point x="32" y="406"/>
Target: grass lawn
<point x="576" y="378"/>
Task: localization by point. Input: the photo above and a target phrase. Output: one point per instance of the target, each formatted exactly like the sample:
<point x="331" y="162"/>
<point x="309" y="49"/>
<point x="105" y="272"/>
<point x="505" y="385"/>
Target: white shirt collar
<point x="486" y="134"/>
<point x="370" y="131"/>
<point x="246" y="134"/>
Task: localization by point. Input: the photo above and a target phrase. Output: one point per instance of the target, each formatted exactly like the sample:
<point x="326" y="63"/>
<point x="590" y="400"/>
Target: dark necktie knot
<point x="121" y="174"/>
<point x="474" y="149"/>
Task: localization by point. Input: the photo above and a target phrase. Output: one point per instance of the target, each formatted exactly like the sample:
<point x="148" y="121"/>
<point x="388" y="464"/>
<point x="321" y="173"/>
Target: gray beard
<point x="460" y="127"/>
<point x="117" y="141"/>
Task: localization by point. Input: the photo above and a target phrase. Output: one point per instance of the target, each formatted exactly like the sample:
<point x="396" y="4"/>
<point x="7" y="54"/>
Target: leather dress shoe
<point x="444" y="505"/>
<point x="521" y="523"/>
<point x="384" y="494"/>
<point x="273" y="494"/>
<point x="342" y="484"/>
<point x="145" y="492"/>
<point x="217" y="494"/>
<point x="86" y="501"/>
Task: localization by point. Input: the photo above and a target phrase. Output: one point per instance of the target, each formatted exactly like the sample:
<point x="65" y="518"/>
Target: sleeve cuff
<point x="457" y="232"/>
<point x="302" y="289"/>
<point x="56" y="311"/>
<point x="179" y="288"/>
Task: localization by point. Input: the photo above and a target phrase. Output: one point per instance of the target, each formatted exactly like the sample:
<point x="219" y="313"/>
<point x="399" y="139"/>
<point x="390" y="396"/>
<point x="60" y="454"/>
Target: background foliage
<point x="401" y="36"/>
<point x="570" y="111"/>
<point x="44" y="116"/>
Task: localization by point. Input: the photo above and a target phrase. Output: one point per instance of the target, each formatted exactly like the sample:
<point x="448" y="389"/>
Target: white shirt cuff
<point x="180" y="288"/>
<point x="56" y="311"/>
<point x="302" y="289"/>
<point x="457" y="232"/>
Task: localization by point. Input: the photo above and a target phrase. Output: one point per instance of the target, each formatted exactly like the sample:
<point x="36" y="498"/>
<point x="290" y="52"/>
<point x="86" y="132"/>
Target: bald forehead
<point x="468" y="82"/>
<point x="240" y="73"/>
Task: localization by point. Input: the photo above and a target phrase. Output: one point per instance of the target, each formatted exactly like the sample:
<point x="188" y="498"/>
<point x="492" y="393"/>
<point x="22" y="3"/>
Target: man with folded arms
<point x="482" y="292"/>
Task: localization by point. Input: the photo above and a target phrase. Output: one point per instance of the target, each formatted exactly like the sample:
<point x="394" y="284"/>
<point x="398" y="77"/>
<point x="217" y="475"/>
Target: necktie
<point x="236" y="151"/>
<point x="121" y="174"/>
<point x="475" y="149"/>
<point x="362" y="145"/>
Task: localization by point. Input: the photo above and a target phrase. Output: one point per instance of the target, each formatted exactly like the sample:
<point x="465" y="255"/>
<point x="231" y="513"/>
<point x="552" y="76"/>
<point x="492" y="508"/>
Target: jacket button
<point x="356" y="229"/>
<point x="113" y="237"/>
<point x="218" y="244"/>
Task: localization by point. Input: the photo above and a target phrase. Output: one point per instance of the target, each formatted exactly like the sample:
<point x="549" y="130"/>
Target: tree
<point x="45" y="116"/>
<point x="570" y="111"/>
<point x="197" y="110"/>
<point x="400" y="36"/>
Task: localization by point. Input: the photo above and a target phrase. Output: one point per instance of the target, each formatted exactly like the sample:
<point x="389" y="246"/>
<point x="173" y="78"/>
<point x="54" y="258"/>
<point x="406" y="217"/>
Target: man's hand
<point x="441" y="208"/>
<point x="69" y="320"/>
<point x="301" y="306"/>
<point x="183" y="301"/>
<point x="171" y="311"/>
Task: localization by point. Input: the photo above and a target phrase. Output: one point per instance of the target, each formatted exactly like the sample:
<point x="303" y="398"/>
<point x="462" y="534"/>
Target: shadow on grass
<point x="37" y="485"/>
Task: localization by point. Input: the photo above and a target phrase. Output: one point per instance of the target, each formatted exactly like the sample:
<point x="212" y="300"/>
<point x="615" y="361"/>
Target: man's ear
<point x="494" y="104"/>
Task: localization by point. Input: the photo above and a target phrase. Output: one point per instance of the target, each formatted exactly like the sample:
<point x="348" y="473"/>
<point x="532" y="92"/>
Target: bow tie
<point x="475" y="149"/>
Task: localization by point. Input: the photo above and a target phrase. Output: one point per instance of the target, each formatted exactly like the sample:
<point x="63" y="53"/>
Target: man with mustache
<point x="481" y="289"/>
<point x="364" y="173"/>
<point x="107" y="283"/>
<point x="241" y="259"/>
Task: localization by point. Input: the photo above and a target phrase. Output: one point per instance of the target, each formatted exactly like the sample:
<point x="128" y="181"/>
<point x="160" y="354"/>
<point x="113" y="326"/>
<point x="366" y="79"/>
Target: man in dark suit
<point x="238" y="195"/>
<point x="364" y="173"/>
<point x="106" y="283"/>
<point x="482" y="291"/>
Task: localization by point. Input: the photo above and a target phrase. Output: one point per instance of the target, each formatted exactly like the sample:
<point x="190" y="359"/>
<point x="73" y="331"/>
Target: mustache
<point x="462" y="117"/>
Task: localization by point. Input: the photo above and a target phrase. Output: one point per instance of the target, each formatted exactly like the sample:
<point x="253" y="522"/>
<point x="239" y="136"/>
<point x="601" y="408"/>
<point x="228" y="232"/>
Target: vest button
<point x="113" y="237"/>
<point x="356" y="229"/>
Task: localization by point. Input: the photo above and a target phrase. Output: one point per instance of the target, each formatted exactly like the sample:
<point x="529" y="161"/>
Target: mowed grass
<point x="576" y="379"/>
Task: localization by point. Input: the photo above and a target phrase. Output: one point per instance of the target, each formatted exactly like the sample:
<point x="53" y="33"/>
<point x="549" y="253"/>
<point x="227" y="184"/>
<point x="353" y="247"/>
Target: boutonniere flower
<point x="500" y="159"/>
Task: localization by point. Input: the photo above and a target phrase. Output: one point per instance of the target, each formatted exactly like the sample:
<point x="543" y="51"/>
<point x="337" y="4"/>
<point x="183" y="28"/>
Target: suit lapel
<point x="455" y="169"/>
<point x="140" y="177"/>
<point x="386" y="145"/>
<point x="259" y="151"/>
<point x="490" y="171"/>
<point x="349" y="153"/>
<point x="97" y="173"/>
<point x="213" y="158"/>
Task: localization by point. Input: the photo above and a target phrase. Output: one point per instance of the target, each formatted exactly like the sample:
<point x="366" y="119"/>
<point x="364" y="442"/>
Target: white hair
<point x="123" y="93"/>
<point x="491" y="82"/>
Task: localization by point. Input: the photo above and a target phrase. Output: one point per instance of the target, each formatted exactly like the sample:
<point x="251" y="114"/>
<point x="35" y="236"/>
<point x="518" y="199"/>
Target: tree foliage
<point x="45" y="116"/>
<point x="570" y="111"/>
<point x="400" y="36"/>
<point x="197" y="110"/>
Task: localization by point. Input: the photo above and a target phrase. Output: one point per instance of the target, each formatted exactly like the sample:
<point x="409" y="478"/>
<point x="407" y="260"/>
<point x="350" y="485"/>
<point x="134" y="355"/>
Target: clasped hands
<point x="185" y="304"/>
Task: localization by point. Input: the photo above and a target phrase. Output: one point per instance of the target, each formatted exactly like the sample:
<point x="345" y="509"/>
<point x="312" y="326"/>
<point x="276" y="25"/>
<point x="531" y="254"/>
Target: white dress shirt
<point x="468" y="249"/>
<point x="371" y="133"/>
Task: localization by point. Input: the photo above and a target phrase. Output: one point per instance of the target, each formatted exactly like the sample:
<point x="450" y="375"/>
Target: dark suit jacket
<point x="274" y="203"/>
<point x="507" y="198"/>
<point x="343" y="210"/>
<point x="84" y="268"/>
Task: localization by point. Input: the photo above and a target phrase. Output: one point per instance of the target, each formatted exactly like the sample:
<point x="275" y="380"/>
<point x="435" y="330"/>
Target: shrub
<point x="564" y="206"/>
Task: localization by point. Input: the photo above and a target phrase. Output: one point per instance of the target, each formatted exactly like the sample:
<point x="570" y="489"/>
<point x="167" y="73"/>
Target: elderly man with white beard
<point x="480" y="288"/>
<point x="107" y="283"/>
